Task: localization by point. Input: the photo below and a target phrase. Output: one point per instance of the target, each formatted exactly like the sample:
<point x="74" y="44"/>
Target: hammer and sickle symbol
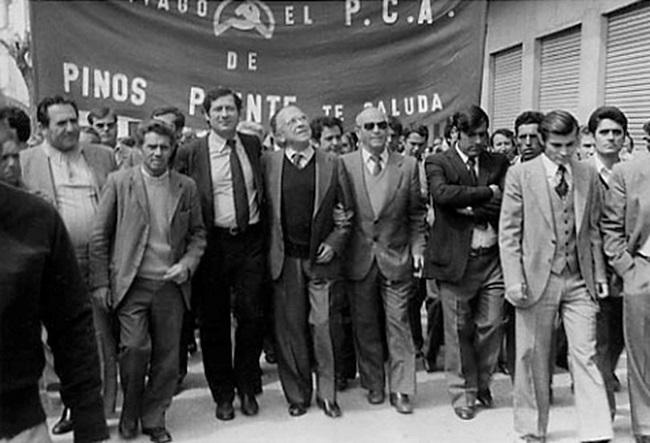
<point x="248" y="17"/>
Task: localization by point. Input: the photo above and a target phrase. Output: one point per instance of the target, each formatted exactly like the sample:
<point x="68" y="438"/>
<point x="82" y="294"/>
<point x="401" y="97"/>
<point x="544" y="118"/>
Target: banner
<point x="419" y="60"/>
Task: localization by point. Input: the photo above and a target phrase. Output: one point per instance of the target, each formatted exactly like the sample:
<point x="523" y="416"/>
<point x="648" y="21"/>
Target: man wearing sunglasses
<point x="466" y="184"/>
<point x="386" y="246"/>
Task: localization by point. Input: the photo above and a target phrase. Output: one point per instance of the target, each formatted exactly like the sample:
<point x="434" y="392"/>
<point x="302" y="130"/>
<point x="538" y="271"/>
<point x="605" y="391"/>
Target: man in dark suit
<point x="462" y="255"/>
<point x="552" y="259"/>
<point x="226" y="168"/>
<point x="307" y="239"/>
<point x="386" y="246"/>
<point x="147" y="242"/>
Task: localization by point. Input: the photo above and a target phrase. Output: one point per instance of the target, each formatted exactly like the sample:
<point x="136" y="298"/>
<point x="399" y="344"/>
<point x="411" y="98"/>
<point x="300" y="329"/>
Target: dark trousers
<point x="473" y="315"/>
<point x="302" y="325"/>
<point x="415" y="317"/>
<point x="380" y="320"/>
<point x="435" y="324"/>
<point x="150" y="317"/>
<point x="609" y="342"/>
<point x="345" y="358"/>
<point x="232" y="266"/>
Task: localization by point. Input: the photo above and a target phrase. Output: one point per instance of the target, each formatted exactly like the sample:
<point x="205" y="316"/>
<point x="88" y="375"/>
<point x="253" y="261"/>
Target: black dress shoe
<point x="401" y="402"/>
<point x="484" y="399"/>
<point x="249" y="405"/>
<point x="465" y="412"/>
<point x="127" y="432"/>
<point x="225" y="411"/>
<point x="65" y="424"/>
<point x="296" y="410"/>
<point x="329" y="407"/>
<point x="375" y="397"/>
<point x="341" y="383"/>
<point x="158" y="435"/>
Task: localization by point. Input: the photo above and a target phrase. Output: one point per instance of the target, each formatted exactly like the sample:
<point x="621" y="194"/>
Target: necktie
<point x="238" y="188"/>
<point x="562" y="186"/>
<point x="471" y="163"/>
<point x="604" y="177"/>
<point x="297" y="159"/>
<point x="376" y="164"/>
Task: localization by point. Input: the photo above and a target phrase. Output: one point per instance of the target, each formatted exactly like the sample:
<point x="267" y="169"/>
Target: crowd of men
<point x="324" y="245"/>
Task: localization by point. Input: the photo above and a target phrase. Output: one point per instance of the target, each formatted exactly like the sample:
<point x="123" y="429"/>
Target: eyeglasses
<point x="371" y="125"/>
<point x="105" y="125"/>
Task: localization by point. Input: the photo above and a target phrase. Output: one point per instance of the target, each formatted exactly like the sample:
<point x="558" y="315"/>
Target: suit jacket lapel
<point x="137" y="186"/>
<point x="323" y="175"/>
<point x="536" y="179"/>
<point x="359" y="182"/>
<point x="394" y="174"/>
<point x="460" y="165"/>
<point x="484" y="166"/>
<point x="580" y="192"/>
<point x="176" y="192"/>
<point x="276" y="164"/>
<point x="202" y="164"/>
<point x="255" y="168"/>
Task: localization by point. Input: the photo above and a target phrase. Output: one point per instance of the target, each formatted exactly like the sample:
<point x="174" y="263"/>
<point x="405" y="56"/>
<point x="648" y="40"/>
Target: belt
<point x="477" y="252"/>
<point x="235" y="231"/>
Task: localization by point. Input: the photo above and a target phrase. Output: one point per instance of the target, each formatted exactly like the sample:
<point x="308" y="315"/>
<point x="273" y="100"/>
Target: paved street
<point x="191" y="417"/>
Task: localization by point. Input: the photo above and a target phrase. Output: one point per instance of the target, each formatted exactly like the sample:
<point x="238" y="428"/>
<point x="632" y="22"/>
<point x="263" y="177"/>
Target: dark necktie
<point x="297" y="159"/>
<point x="562" y="186"/>
<point x="471" y="163"/>
<point x="376" y="164"/>
<point x="238" y="187"/>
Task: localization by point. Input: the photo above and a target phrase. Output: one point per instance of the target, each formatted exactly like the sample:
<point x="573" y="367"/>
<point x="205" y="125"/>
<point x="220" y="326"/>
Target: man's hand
<point x="418" y="265"/>
<point x="325" y="254"/>
<point x="468" y="211"/>
<point x="602" y="289"/>
<point x="517" y="295"/>
<point x="102" y="298"/>
<point x="178" y="273"/>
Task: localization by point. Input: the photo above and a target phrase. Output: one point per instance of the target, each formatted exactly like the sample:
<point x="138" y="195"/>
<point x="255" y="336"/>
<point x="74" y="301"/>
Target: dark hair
<point x="469" y="118"/>
<point x="325" y="121"/>
<point x="219" y="92"/>
<point x="528" y="118"/>
<point x="606" y="112"/>
<point x="129" y="141"/>
<point x="158" y="127"/>
<point x="558" y="122"/>
<point x="646" y="127"/>
<point x="506" y="133"/>
<point x="42" y="115"/>
<point x="101" y="112"/>
<point x="395" y="125"/>
<point x="449" y="125"/>
<point x="179" y="117"/>
<point x="419" y="129"/>
<point x="18" y="120"/>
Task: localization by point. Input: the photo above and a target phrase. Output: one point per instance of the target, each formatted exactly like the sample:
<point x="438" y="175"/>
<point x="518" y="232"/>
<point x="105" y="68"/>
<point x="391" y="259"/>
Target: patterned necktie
<point x="238" y="187"/>
<point x="297" y="160"/>
<point x="376" y="164"/>
<point x="562" y="186"/>
<point x="471" y="163"/>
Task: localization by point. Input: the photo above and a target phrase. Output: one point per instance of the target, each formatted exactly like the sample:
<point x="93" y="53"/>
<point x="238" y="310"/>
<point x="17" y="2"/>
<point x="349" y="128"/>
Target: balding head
<point x="291" y="128"/>
<point x="372" y="129"/>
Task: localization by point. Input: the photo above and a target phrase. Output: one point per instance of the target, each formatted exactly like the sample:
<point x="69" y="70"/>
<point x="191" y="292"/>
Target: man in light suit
<point x="626" y="229"/>
<point x="307" y="239"/>
<point x="462" y="255"/>
<point x="607" y="127"/>
<point x="71" y="175"/>
<point x="386" y="246"/>
<point x="225" y="165"/>
<point x="551" y="253"/>
<point x="146" y="243"/>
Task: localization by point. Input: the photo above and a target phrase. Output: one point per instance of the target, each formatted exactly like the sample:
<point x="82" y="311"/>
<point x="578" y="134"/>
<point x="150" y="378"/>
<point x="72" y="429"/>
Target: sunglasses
<point x="371" y="125"/>
<point x="105" y="125"/>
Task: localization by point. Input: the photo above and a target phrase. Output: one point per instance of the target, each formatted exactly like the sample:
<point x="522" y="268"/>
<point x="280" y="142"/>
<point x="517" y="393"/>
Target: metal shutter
<point x="506" y="87"/>
<point x="627" y="69"/>
<point x="559" y="76"/>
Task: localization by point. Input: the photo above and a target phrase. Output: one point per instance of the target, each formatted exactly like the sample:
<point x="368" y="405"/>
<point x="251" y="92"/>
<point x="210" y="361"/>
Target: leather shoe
<point x="65" y="424"/>
<point x="249" y="405"/>
<point x="465" y="412"/>
<point x="127" y="432"/>
<point x="375" y="397"/>
<point x="329" y="407"/>
<point x="296" y="410"/>
<point x="341" y="383"/>
<point x="484" y="399"/>
<point x="158" y="435"/>
<point x="401" y="402"/>
<point x="225" y="411"/>
<point x="606" y="440"/>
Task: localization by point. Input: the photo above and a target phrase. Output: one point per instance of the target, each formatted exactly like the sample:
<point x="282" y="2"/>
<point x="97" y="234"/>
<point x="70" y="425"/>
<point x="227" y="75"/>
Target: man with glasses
<point x="463" y="256"/>
<point x="527" y="133"/>
<point x="104" y="121"/>
<point x="386" y="246"/>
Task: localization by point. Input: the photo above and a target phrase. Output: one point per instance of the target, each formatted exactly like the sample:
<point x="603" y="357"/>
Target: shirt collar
<point x="218" y="143"/>
<point x="464" y="157"/>
<point x="308" y="153"/>
<point x="551" y="167"/>
<point x="159" y="178"/>
<point x="600" y="165"/>
<point x="367" y="154"/>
